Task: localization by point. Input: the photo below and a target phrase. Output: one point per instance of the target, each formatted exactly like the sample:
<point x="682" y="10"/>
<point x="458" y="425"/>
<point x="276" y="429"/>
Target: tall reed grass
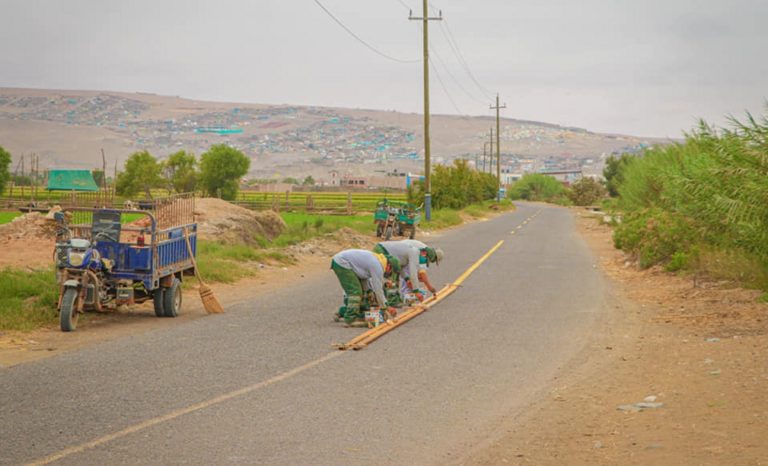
<point x="707" y="193"/>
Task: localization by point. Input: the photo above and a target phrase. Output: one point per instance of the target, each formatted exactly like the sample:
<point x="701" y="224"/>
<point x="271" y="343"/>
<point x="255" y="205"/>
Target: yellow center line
<point x="365" y="338"/>
<point x="182" y="411"/>
<point x="474" y="266"/>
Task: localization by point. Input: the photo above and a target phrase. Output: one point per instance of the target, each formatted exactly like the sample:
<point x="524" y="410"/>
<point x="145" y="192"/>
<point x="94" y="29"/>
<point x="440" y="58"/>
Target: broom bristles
<point x="210" y="303"/>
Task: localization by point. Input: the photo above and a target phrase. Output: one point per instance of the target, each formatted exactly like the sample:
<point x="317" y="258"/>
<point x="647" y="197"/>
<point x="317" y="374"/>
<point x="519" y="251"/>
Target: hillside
<point x="68" y="129"/>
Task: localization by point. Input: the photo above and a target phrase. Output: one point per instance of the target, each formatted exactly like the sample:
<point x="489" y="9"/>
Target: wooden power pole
<point x="490" y="154"/>
<point x="427" y="187"/>
<point x="498" y="146"/>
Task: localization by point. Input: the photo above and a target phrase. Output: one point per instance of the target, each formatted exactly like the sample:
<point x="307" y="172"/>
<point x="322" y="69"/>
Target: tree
<point x="98" y="177"/>
<point x="456" y="186"/>
<point x="586" y="191"/>
<point x="180" y="172"/>
<point x="309" y="181"/>
<point x="614" y="172"/>
<point x="290" y="180"/>
<point x="142" y="173"/>
<point x="19" y="180"/>
<point x="221" y="169"/>
<point x="537" y="187"/>
<point x="5" y="172"/>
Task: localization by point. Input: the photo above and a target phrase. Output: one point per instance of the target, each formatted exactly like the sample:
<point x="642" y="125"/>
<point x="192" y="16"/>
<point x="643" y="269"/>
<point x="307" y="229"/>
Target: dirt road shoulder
<point x="678" y="376"/>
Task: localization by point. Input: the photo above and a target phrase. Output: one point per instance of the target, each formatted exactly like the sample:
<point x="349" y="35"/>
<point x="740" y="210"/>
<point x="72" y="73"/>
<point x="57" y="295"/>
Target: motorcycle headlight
<point x="76" y="258"/>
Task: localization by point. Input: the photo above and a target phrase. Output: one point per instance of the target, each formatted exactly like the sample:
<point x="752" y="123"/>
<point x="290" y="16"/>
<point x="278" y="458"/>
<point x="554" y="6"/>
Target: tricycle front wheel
<point x="68" y="313"/>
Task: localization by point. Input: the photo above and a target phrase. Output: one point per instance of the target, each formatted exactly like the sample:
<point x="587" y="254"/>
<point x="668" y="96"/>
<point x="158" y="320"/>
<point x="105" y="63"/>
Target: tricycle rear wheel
<point x="172" y="299"/>
<point x="68" y="313"/>
<point x="158" y="297"/>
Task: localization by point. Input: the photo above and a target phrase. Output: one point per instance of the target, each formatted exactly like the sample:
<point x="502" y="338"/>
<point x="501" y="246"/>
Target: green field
<point x="294" y="201"/>
<point x="6" y="217"/>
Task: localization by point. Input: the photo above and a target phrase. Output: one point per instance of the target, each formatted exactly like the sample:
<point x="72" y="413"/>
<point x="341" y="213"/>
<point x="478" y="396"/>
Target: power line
<point x="453" y="77"/>
<point x="446" y="68"/>
<point x="369" y="46"/>
<point x="445" y="89"/>
<point x="404" y="4"/>
<point x="455" y="47"/>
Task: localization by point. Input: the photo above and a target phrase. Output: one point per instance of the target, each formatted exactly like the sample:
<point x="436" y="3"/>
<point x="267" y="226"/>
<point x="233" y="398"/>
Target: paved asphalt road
<point x="262" y="385"/>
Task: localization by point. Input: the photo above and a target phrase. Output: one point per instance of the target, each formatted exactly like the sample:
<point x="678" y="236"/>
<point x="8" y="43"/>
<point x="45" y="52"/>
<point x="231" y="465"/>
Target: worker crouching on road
<point x="358" y="271"/>
<point x="414" y="257"/>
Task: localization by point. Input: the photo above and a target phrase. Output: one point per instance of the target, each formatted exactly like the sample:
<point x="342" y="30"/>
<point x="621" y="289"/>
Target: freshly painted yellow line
<point x="182" y="411"/>
<point x="474" y="266"/>
<point x="362" y="340"/>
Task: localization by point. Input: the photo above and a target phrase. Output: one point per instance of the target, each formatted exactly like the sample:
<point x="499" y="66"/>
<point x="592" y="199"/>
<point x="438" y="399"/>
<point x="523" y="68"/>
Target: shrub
<point x="586" y="191"/>
<point x="537" y="187"/>
<point x="710" y="190"/>
<point x="456" y="186"/>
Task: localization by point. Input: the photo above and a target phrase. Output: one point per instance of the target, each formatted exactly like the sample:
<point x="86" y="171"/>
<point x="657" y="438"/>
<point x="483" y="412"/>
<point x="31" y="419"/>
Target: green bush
<point x="538" y="187"/>
<point x="710" y="190"/>
<point x="586" y="191"/>
<point x="455" y="187"/>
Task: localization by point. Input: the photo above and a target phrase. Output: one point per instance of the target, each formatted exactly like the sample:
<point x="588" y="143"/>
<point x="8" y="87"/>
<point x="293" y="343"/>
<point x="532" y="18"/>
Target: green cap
<point x="434" y="255"/>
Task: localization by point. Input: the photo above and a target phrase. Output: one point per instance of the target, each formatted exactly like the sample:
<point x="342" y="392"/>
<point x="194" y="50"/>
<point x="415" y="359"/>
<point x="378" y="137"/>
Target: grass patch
<point x="228" y="263"/>
<point x="302" y="227"/>
<point x="27" y="299"/>
<point x="444" y="218"/>
<point x="6" y="217"/>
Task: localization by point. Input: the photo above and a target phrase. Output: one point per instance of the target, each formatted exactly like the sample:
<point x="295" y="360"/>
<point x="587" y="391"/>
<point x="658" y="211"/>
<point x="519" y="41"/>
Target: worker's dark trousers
<point x="352" y="288"/>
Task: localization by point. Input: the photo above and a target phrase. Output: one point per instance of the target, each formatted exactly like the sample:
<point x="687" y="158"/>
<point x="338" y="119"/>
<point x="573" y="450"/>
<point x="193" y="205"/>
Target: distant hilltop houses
<point x="322" y="141"/>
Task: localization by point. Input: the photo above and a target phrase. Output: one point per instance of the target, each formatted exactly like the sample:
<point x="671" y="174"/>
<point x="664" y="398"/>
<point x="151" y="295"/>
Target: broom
<point x="210" y="303"/>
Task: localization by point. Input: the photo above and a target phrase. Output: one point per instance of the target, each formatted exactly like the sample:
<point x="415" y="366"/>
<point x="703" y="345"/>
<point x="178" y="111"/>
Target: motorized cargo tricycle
<point x="110" y="257"/>
<point x="396" y="218"/>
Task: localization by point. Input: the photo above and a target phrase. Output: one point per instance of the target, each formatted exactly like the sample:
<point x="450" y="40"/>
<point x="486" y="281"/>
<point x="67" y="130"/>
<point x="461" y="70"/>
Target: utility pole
<point x="498" y="147"/>
<point x="103" y="171"/>
<point x="485" y="146"/>
<point x="490" y="154"/>
<point x="425" y="19"/>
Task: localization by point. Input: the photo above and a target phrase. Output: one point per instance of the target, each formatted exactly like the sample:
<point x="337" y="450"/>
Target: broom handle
<point x="192" y="256"/>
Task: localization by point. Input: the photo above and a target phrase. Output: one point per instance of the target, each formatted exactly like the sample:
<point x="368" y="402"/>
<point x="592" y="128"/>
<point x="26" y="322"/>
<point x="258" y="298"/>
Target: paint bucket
<point x="373" y="317"/>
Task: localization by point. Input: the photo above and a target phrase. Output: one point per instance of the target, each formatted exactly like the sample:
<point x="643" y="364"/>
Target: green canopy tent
<point x="71" y="180"/>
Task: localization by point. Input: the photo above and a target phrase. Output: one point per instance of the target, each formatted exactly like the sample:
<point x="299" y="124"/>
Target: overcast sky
<point x="642" y="67"/>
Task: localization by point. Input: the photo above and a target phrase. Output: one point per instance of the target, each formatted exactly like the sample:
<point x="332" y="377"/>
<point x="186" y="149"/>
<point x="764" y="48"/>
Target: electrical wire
<point x="445" y="90"/>
<point x="404" y="4"/>
<point x="359" y="39"/>
<point x="453" y="77"/>
<point x="446" y="30"/>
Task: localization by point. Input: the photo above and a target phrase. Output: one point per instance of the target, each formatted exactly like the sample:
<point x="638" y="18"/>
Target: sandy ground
<point x="700" y="351"/>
